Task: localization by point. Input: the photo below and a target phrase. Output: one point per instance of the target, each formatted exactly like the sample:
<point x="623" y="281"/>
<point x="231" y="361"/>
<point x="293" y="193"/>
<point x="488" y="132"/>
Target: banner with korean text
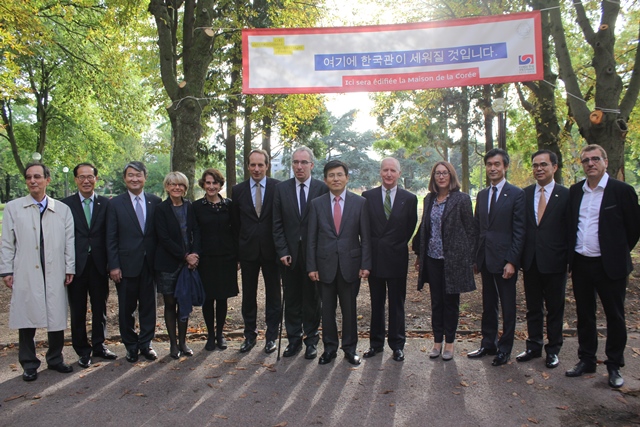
<point x="462" y="52"/>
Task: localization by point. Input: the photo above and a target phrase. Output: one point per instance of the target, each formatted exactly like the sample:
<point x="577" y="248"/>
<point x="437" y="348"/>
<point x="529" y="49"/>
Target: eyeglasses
<point x="542" y="165"/>
<point x="301" y="162"/>
<point x="594" y="159"/>
<point x="83" y="178"/>
<point x="174" y="184"/>
<point x="441" y="174"/>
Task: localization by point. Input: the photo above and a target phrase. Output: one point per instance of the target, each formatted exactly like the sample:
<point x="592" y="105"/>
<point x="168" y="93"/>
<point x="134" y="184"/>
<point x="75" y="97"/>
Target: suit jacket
<point x="127" y="245"/>
<point x="351" y="246"/>
<point x="501" y="236"/>
<point x="390" y="237"/>
<point x="171" y="248"/>
<point x="255" y="233"/>
<point x="94" y="235"/>
<point x="618" y="226"/>
<point x="289" y="227"/>
<point x="548" y="242"/>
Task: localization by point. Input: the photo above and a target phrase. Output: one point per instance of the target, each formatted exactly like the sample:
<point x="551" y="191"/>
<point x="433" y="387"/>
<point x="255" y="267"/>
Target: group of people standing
<point x="319" y="241"/>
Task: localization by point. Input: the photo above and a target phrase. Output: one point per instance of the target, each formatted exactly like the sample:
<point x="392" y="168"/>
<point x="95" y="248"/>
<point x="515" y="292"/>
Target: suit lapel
<point x="502" y="196"/>
<point x="293" y="196"/>
<point x="149" y="217"/>
<point x="554" y="199"/>
<point x="448" y="208"/>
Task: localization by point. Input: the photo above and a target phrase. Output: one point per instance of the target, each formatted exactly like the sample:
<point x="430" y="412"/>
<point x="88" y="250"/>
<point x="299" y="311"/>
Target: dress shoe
<point x="84" y="361"/>
<point x="132" y="356"/>
<point x="581" y="368"/>
<point x="527" y="355"/>
<point x="482" y="351"/>
<point x="435" y="351"/>
<point x="292" y="349"/>
<point x="372" y="352"/>
<point x="247" y="345"/>
<point x="501" y="359"/>
<point x="615" y="379"/>
<point x="327" y="357"/>
<point x="211" y="344"/>
<point x="61" y="367"/>
<point x="398" y="355"/>
<point x="270" y="347"/>
<point x="552" y="361"/>
<point x="352" y="358"/>
<point x="149" y="353"/>
<point x="30" y="374"/>
<point x="185" y="350"/>
<point x="311" y="352"/>
<point x="447" y="353"/>
<point x="222" y="343"/>
<point x="105" y="353"/>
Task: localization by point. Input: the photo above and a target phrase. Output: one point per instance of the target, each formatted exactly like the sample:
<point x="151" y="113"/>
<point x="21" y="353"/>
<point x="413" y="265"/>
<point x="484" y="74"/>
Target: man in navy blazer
<point x="393" y="214"/>
<point x="500" y="218"/>
<point x="544" y="261"/>
<point x="338" y="257"/>
<point x="131" y="248"/>
<point x="290" y="217"/>
<point x="605" y="227"/>
<point x="89" y="212"/>
<point x="253" y="214"/>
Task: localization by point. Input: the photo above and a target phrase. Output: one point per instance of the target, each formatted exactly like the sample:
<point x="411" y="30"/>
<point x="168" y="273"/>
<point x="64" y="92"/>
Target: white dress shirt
<point x="587" y="243"/>
<point x="143" y="202"/>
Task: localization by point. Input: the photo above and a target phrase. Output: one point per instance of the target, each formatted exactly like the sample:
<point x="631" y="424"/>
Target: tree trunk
<point x="266" y="138"/>
<point x="247" y="136"/>
<point x="464" y="140"/>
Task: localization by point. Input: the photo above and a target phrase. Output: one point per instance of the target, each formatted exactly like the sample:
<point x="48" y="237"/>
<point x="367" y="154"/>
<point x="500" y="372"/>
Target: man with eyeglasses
<point x="90" y="223"/>
<point x="37" y="262"/>
<point x="605" y="227"/>
<point x="544" y="261"/>
<point x="290" y="218"/>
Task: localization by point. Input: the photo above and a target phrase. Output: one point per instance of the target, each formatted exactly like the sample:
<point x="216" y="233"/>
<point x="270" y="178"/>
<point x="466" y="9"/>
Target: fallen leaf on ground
<point x="9" y="399"/>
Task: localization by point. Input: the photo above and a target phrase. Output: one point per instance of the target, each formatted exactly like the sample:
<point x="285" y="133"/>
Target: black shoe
<point x="149" y="353"/>
<point x="222" y="343"/>
<point x="527" y="355"/>
<point x="30" y="374"/>
<point x="132" y="356"/>
<point x="372" y="352"/>
<point x="174" y="352"/>
<point x="61" y="367"/>
<point x="581" y="368"/>
<point x="84" y="361"/>
<point x="247" y="345"/>
<point x="398" y="355"/>
<point x="552" y="361"/>
<point x="352" y="358"/>
<point x="615" y="379"/>
<point x="270" y="347"/>
<point x="327" y="357"/>
<point x="211" y="344"/>
<point x="501" y="358"/>
<point x="482" y="351"/>
<point x="292" y="349"/>
<point x="311" y="352"/>
<point x="105" y="353"/>
<point x="185" y="350"/>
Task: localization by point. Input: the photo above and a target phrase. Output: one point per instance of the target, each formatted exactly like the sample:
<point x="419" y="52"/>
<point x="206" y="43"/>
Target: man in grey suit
<point x="338" y="256"/>
<point x="131" y="248"/>
<point x="290" y="218"/>
<point x="500" y="218"/>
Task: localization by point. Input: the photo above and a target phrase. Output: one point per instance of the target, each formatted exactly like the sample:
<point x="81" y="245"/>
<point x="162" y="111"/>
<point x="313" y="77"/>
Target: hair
<point x="139" y="166"/>
<point x="79" y="165"/>
<point x="178" y="178"/>
<point x="497" y="152"/>
<point x="215" y="174"/>
<point x="332" y="164"/>
<point x="307" y="150"/>
<point x="263" y="152"/>
<point x="396" y="161"/>
<point x="593" y="147"/>
<point x="45" y="170"/>
<point x="454" y="183"/>
<point x="552" y="156"/>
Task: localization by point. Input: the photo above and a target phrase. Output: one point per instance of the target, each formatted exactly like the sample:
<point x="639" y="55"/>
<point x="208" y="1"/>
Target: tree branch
<point x="631" y="95"/>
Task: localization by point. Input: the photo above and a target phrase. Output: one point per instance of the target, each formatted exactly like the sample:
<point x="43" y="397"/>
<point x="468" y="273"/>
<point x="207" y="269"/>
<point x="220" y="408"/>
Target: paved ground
<point x="229" y="389"/>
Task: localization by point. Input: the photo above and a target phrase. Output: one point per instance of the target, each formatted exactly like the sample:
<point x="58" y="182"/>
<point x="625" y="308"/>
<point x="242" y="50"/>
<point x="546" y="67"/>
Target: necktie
<point x="87" y="210"/>
<point x="337" y="214"/>
<point x="258" y="198"/>
<point x="542" y="205"/>
<point x="303" y="200"/>
<point x="387" y="204"/>
<point x="139" y="213"/>
<point x="41" y="207"/>
<point x="494" y="195"/>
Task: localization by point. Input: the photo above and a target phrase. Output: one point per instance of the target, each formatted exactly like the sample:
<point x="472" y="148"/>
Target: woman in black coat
<point x="444" y="248"/>
<point x="178" y="241"/>
<point x="218" y="256"/>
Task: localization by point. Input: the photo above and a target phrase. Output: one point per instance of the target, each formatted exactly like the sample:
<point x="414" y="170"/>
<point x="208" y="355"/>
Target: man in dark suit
<point x="544" y="261"/>
<point x="500" y="217"/>
<point x="605" y="227"/>
<point x="89" y="216"/>
<point x="338" y="256"/>
<point x="253" y="211"/>
<point x="131" y="248"/>
<point x="393" y="214"/>
<point x="290" y="217"/>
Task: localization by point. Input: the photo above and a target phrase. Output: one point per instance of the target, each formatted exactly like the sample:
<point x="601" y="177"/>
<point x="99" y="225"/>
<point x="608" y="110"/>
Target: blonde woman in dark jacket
<point x="444" y="248"/>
